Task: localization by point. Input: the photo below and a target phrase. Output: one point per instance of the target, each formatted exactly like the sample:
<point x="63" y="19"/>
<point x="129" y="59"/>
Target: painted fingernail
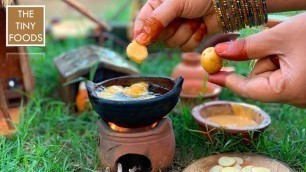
<point x="222" y="47"/>
<point x="135" y="34"/>
<point x="219" y="78"/>
<point x="143" y="39"/>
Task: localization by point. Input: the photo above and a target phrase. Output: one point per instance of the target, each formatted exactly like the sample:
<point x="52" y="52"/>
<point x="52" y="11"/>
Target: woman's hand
<point x="179" y="23"/>
<point x="270" y="82"/>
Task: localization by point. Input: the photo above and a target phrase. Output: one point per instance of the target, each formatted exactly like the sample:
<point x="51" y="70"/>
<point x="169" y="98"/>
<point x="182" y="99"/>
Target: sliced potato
<point x="216" y="168"/>
<point x="142" y="84"/>
<point x="114" y="89"/>
<point x="226" y="161"/>
<point x="137" y="90"/>
<point x="230" y="169"/>
<point x="237" y="166"/>
<point x="137" y="52"/>
<point x="247" y="168"/>
<point x="260" y="169"/>
<point x="239" y="161"/>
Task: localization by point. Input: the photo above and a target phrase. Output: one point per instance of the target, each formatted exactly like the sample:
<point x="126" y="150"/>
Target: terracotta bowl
<point x="193" y="93"/>
<point x="136" y="113"/>
<point x="219" y="108"/>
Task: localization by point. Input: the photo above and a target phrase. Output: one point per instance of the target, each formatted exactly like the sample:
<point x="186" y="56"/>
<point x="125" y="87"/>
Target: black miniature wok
<point x="136" y="113"/>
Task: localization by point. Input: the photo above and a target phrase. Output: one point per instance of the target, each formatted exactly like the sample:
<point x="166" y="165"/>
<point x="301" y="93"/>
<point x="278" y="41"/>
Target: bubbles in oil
<point x="137" y="91"/>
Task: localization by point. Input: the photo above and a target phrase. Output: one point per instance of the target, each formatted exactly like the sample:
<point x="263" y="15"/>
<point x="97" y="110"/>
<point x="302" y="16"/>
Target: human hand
<point x="268" y="81"/>
<point x="179" y="23"/>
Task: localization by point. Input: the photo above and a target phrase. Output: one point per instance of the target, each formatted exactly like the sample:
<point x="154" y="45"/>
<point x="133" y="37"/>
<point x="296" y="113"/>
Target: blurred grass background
<point x="50" y="138"/>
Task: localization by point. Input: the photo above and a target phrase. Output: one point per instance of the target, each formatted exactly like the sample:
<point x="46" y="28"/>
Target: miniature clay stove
<point x="136" y="134"/>
<point x="148" y="148"/>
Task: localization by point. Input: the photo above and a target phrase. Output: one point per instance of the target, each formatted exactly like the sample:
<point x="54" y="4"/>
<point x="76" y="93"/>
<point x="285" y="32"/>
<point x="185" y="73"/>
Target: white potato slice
<point x="260" y="169"/>
<point x="216" y="168"/>
<point x="238" y="160"/>
<point x="226" y="161"/>
<point x="247" y="168"/>
<point x="230" y="169"/>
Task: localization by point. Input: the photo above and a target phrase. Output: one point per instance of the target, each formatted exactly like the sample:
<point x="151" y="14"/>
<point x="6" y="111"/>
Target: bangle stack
<point x="234" y="15"/>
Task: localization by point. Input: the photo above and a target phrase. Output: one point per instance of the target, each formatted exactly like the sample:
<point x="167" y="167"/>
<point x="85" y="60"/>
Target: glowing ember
<point x="125" y="130"/>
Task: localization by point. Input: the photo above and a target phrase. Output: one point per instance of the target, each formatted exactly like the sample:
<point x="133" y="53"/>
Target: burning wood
<point x="124" y="130"/>
<point x="134" y="169"/>
<point x="119" y="168"/>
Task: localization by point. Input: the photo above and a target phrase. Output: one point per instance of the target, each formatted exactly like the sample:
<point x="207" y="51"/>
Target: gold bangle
<point x="233" y="15"/>
<point x="228" y="19"/>
<point x="218" y="15"/>
<point x="241" y="16"/>
<point x="259" y="18"/>
<point x="237" y="14"/>
<point x="251" y="13"/>
<point x="245" y="15"/>
<point x="265" y="10"/>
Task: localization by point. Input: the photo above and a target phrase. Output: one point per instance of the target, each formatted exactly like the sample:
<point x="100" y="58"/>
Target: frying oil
<point x="138" y="91"/>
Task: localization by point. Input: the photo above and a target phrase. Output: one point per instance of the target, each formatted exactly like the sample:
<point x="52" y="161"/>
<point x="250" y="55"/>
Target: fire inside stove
<point x="126" y="130"/>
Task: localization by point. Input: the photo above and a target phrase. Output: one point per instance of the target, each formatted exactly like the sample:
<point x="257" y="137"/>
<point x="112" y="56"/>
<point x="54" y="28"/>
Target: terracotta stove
<point x="148" y="148"/>
<point x="136" y="134"/>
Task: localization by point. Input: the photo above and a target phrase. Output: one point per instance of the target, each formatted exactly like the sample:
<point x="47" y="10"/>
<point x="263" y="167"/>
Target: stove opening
<point x="127" y="130"/>
<point x="135" y="163"/>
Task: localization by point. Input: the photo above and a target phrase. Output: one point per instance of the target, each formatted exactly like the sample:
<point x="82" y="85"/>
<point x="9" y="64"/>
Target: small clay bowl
<point x="193" y="93"/>
<point x="219" y="108"/>
<point x="136" y="113"/>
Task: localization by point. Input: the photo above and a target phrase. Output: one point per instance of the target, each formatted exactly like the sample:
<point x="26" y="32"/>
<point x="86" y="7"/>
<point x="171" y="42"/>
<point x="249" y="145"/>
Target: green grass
<point x="285" y="139"/>
<point x="51" y="138"/>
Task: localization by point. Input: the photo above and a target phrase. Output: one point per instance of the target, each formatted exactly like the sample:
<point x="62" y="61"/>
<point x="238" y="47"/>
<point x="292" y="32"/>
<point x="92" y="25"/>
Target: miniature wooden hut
<point x="15" y="76"/>
<point x="78" y="63"/>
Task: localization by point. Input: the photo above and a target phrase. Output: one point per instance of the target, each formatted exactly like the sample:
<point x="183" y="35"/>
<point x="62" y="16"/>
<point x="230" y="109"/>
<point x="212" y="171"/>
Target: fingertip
<point x="233" y="50"/>
<point x="219" y="78"/>
<point x="143" y="39"/>
<point x="152" y="27"/>
<point x="135" y="34"/>
<point x="221" y="48"/>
